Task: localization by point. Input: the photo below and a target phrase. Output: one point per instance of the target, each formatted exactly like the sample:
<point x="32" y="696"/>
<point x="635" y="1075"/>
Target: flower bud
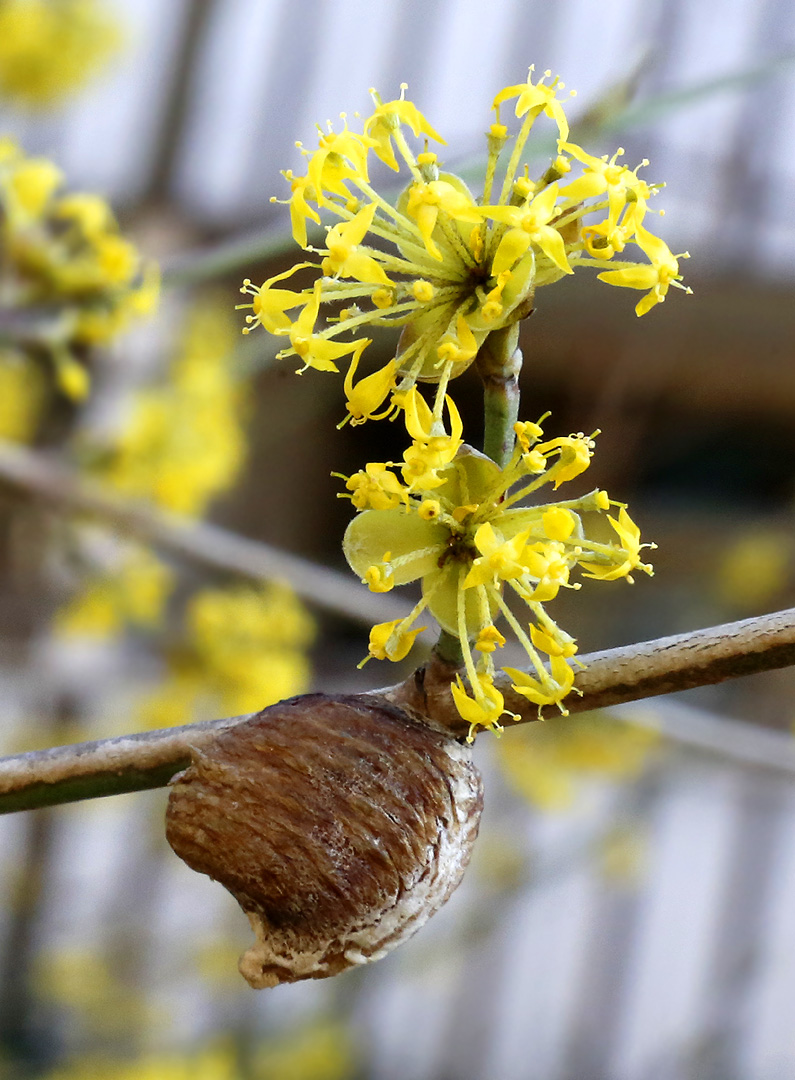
<point x="339" y="824"/>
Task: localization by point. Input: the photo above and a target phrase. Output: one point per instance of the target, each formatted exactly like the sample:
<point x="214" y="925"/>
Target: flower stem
<point x="448" y="649"/>
<point x="499" y="362"/>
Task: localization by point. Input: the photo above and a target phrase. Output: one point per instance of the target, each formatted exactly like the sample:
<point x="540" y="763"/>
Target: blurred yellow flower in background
<point x="240" y="649"/>
<point x="755" y="567"/>
<point x="49" y="49"/>
<point x="547" y="761"/>
<point x="183" y="441"/>
<point x="132" y="594"/>
<point x="227" y="650"/>
<point x="68" y="278"/>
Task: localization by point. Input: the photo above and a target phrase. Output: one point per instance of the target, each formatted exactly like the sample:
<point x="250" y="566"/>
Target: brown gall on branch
<point x="150" y="759"/>
<point x="340" y="824"/>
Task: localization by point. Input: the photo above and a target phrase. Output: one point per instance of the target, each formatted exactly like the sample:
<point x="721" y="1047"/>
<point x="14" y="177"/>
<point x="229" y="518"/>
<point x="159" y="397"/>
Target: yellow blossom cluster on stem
<point x="453" y="272"/>
<point x="49" y="49"/>
<point x="442" y="266"/>
<point x="459" y="527"/>
<point x="68" y="279"/>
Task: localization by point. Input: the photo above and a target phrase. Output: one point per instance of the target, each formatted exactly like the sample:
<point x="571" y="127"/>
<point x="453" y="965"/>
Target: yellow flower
<point x="269" y="305"/>
<point x="134" y="593"/>
<point x="28" y="188"/>
<point x="629" y="535"/>
<point x="460" y="350"/>
<point x="242" y="648"/>
<point x="530" y="224"/>
<point x="445" y="268"/>
<point x="535" y="98"/>
<point x="340" y="156"/>
<point x="369" y="394"/>
<point x="658" y="277"/>
<point x="477" y="542"/>
<point x="300" y="210"/>
<point x="385" y="123"/>
<point x="550" y="688"/>
<point x="484" y="708"/>
<point x="22" y="396"/>
<point x="489" y="639"/>
<point x="374" y="488"/>
<point x="50" y="50"/>
<point x="392" y="641"/>
<point x="574" y="455"/>
<point x="427" y="200"/>
<point x="499" y="560"/>
<point x="754" y="568"/>
<point x="380" y="577"/>
<point x="344" y="257"/>
<point x="315" y="349"/>
<point x="64" y="253"/>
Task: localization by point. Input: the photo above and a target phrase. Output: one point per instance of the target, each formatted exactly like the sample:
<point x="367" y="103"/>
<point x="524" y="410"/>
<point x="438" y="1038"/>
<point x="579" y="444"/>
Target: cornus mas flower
<point x="443" y="267"/>
<point x="460" y="529"/>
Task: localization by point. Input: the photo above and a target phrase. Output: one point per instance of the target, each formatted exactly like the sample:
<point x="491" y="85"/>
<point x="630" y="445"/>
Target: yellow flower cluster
<point x="453" y="520"/>
<point x="66" y="272"/>
<point x="242" y="648"/>
<point x="448" y="270"/>
<point x="184" y="441"/>
<point x="134" y="593"/>
<point x="50" y="48"/>
<point x="238" y="648"/>
<point x="445" y="268"/>
<point x="545" y="763"/>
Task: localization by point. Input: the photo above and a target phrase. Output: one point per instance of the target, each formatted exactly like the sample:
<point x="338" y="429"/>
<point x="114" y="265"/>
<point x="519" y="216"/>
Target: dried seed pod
<point x="340" y="825"/>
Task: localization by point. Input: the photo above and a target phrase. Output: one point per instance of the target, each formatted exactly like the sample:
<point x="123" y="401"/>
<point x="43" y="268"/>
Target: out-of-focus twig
<point x="695" y="728"/>
<point x="147" y="760"/>
<point x="56" y="484"/>
<point x="231" y="256"/>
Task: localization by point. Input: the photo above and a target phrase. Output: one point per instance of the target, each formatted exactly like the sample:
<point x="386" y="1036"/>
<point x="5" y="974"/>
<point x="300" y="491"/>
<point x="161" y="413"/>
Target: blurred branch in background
<point x="657" y="108"/>
<point x="747" y="744"/>
<point x="35" y="474"/>
<point x="150" y="759"/>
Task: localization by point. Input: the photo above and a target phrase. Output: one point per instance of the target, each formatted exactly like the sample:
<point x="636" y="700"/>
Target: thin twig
<point x="230" y="256"/>
<point x="719" y="736"/>
<point x="150" y="759"/>
<point x="35" y="473"/>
